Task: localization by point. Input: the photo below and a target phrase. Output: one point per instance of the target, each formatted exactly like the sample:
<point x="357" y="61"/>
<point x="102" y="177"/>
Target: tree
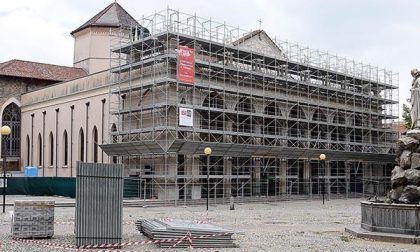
<point x="406" y="117"/>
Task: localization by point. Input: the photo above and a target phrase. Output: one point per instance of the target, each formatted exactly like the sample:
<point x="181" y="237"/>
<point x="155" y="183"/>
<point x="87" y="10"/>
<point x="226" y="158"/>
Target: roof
<point x="247" y="36"/>
<point x="41" y="71"/>
<point x="112" y="16"/>
<point x="253" y="34"/>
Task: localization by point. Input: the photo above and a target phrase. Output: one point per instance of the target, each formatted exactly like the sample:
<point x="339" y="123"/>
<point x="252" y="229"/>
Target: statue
<point x="415" y="99"/>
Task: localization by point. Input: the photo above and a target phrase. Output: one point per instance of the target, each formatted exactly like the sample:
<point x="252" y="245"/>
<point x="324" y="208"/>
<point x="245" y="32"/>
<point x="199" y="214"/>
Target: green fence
<point x="41" y="186"/>
<point x="60" y="186"/>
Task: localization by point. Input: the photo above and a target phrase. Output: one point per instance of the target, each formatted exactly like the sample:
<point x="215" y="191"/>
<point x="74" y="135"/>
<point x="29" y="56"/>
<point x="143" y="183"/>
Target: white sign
<point x="1" y="182"/>
<point x="185" y="117"/>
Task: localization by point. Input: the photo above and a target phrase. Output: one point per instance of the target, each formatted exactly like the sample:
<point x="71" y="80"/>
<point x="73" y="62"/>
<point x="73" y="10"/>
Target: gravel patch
<point x="280" y="226"/>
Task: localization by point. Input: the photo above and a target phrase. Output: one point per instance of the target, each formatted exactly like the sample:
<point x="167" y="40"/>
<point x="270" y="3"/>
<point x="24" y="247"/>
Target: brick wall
<point x="14" y="87"/>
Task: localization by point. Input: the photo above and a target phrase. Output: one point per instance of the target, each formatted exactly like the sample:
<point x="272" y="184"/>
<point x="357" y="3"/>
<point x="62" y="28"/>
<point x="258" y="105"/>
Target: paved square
<point x="278" y="226"/>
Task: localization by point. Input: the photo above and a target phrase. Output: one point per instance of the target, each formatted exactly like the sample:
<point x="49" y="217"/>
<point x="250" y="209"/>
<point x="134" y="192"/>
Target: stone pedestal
<point x="391" y="218"/>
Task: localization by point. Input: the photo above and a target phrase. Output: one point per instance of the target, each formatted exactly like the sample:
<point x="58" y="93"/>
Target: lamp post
<point x="207" y="152"/>
<point x="5" y="131"/>
<point x="322" y="157"/>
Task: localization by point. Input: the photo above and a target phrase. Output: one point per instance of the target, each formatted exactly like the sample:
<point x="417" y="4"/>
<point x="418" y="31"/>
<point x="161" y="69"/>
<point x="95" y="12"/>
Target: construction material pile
<point x="185" y="233"/>
<point x="33" y="219"/>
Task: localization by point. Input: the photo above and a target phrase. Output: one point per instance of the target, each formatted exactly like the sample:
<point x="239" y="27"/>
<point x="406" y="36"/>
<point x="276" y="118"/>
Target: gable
<point x="259" y="41"/>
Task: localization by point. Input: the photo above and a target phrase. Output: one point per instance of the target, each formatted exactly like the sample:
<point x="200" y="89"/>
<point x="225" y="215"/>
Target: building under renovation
<point x="160" y="90"/>
<point x="266" y="108"/>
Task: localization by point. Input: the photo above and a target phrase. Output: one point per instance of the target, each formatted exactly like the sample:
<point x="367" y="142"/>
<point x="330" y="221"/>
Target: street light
<point x="207" y="152"/>
<point x="5" y="131"/>
<point x="322" y="157"/>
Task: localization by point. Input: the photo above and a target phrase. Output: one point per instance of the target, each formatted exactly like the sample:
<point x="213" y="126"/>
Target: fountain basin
<point x="391" y="218"/>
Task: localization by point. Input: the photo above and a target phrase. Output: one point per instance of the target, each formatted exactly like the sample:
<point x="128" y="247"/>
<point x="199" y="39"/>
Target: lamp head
<point x="207" y="151"/>
<point x="322" y="157"/>
<point x="5" y="130"/>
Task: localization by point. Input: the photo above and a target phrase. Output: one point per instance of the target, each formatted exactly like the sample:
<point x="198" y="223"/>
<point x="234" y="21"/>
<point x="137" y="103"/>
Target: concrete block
<point x="33" y="219"/>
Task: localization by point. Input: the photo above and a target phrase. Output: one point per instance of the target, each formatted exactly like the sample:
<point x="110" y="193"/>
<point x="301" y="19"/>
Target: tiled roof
<point x="112" y="16"/>
<point x="41" y="71"/>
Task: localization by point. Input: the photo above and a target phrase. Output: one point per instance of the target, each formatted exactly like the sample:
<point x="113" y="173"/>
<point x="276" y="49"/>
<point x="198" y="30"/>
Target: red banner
<point x="186" y="65"/>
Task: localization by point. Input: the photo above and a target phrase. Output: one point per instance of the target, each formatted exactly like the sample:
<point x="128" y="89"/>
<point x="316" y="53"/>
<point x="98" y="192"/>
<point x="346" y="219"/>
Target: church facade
<point x="158" y="92"/>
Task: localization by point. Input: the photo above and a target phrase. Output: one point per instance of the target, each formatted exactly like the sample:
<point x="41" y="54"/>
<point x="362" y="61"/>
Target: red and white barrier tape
<point x="118" y="245"/>
<point x="203" y="219"/>
<point x="180" y="240"/>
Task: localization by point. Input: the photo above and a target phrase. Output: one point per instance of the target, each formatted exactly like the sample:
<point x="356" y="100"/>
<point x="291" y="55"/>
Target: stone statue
<point x="415" y="99"/>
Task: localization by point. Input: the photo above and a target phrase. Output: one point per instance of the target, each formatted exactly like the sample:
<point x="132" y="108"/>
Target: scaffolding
<point x="267" y="108"/>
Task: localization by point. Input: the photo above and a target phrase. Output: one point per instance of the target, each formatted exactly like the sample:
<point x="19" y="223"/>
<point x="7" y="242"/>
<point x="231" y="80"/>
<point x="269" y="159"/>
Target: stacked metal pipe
<point x="99" y="202"/>
<point x="184" y="233"/>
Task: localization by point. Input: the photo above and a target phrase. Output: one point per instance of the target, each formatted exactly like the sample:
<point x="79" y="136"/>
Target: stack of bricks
<point x="33" y="219"/>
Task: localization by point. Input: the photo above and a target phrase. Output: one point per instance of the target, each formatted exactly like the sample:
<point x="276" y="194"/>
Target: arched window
<point x="297" y="112"/>
<point x="319" y="115"/>
<point x="51" y="149"/>
<point x="214" y="100"/>
<point x="95" y="144"/>
<point x="65" y="148"/>
<point x="272" y="126"/>
<point x="212" y="119"/>
<point x="11" y="118"/>
<point x="81" y="145"/>
<point x="358" y="120"/>
<point x="244" y="123"/>
<point x="272" y="109"/>
<point x="339" y="118"/>
<point x="297" y="128"/>
<point x="39" y="150"/>
<point x="28" y="150"/>
<point x="245" y="105"/>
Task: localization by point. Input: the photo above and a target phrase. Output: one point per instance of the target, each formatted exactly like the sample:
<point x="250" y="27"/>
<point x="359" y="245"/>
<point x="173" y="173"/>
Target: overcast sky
<point x="384" y="33"/>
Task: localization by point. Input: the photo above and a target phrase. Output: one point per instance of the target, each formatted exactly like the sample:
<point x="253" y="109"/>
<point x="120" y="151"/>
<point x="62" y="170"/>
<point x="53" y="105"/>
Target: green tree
<point x="406" y="116"/>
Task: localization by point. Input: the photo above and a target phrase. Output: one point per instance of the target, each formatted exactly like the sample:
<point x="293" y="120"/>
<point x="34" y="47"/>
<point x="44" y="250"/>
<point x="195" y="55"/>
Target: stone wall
<point x="15" y="87"/>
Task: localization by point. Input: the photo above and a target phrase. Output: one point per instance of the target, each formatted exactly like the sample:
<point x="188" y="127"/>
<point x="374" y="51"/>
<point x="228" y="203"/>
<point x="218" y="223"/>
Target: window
<point x="65" y="148"/>
<point x="95" y="144"/>
<point x="81" y="145"/>
<point x="11" y="118"/>
<point x="51" y="146"/>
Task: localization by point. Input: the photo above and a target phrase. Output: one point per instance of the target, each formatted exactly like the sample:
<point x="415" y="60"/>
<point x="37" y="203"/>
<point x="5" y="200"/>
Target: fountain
<point x="397" y="219"/>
